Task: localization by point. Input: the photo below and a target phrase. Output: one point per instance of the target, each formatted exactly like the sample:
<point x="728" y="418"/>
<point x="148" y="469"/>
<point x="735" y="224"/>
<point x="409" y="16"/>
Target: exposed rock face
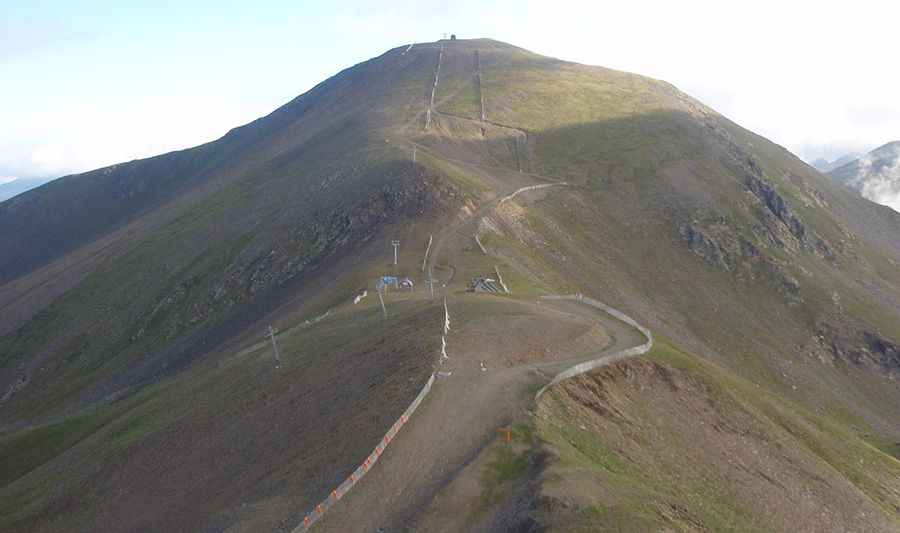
<point x="256" y="268"/>
<point x="779" y="224"/>
<point x="722" y="247"/>
<point x="783" y="226"/>
<point x="857" y="345"/>
<point x="775" y="205"/>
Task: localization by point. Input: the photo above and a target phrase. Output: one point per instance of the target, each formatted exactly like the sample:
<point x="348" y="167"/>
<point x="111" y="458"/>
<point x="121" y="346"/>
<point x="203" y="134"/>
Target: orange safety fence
<point x="313" y="516"/>
<point x="319" y="510"/>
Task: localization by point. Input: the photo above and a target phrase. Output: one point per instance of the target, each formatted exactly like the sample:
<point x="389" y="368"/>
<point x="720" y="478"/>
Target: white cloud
<point x="880" y="180"/>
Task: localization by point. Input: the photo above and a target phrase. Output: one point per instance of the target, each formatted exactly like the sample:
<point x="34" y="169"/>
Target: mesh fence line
<point x="587" y="366"/>
<point x="478" y="84"/>
<point x="437" y="75"/>
<point x="480" y="246"/>
<point x="531" y="188"/>
<point x="319" y="510"/>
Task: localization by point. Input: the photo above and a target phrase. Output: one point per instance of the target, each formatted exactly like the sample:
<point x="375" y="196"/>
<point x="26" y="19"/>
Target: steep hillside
<point x="175" y="253"/>
<point x="875" y="175"/>
<point x="133" y="299"/>
<point x="666" y="443"/>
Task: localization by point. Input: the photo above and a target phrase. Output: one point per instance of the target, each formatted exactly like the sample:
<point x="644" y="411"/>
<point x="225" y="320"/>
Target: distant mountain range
<point x="18" y="186"/>
<point x="875" y="175"/>
<point x="823" y="165"/>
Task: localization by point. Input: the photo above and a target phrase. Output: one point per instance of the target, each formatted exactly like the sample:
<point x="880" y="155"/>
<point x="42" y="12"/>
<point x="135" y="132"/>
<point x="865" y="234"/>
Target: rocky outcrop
<point x="722" y="247"/>
<point x="857" y="345"/>
<point x="778" y="224"/>
<point x="775" y="205"/>
<point x="261" y="265"/>
<point x="782" y="226"/>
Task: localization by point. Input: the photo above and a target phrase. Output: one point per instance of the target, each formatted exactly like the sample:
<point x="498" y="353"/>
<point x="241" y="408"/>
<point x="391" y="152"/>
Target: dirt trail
<point x="455" y="423"/>
<point x="461" y="415"/>
<point x="484" y="390"/>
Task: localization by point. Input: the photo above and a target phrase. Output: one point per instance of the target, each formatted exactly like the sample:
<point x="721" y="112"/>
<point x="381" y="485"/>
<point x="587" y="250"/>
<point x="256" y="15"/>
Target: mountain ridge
<point x="824" y="166"/>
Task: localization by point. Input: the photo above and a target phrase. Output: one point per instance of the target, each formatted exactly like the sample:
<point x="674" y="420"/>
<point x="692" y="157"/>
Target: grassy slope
<point x="647" y="159"/>
<point x="235" y="430"/>
<point x="319" y="182"/>
<point x="283" y="235"/>
<point x="681" y="443"/>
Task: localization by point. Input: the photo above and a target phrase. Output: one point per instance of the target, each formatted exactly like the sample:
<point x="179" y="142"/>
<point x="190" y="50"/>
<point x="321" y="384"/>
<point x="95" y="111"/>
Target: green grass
<point x="26" y="450"/>
<point x="859" y="461"/>
<point x="506" y="465"/>
<point x="460" y="99"/>
<point x="618" y="519"/>
<point x="586" y="450"/>
<point x="469" y="183"/>
<point x="104" y="435"/>
<point x="129" y="420"/>
<point x="639" y="488"/>
<point x="139" y="427"/>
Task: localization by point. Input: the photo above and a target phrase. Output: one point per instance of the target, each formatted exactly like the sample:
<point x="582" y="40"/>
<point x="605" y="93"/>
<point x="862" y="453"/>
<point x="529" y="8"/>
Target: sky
<point x="91" y="83"/>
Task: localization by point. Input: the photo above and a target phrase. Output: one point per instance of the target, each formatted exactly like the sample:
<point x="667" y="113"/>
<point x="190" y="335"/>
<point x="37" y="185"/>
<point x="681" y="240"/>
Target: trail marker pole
<point x="427" y="249"/>
<point x="396" y="244"/>
<point x="414" y="154"/>
<point x="271" y="335"/>
<point x="507" y="433"/>
<point x="381" y="299"/>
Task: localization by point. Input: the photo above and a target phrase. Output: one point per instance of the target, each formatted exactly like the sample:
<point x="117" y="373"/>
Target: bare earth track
<point x="483" y="391"/>
<point x="479" y="389"/>
<point x="457" y="421"/>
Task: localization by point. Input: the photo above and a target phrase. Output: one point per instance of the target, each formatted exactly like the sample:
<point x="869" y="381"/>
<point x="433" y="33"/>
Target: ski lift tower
<point x="396" y="244"/>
